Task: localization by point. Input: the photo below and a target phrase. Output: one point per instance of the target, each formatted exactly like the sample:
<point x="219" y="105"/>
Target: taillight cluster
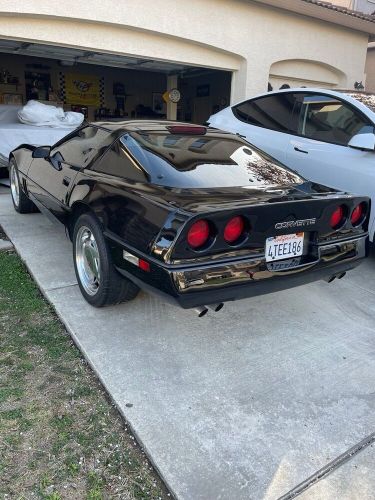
<point x="198" y="234"/>
<point x="341" y="214"/>
<point x="338" y="217"/>
<point x="234" y="229"/>
<point x="358" y="214"/>
<point x="202" y="231"/>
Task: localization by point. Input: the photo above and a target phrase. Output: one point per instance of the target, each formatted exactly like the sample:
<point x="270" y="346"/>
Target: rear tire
<point x="22" y="204"/>
<point x="100" y="283"/>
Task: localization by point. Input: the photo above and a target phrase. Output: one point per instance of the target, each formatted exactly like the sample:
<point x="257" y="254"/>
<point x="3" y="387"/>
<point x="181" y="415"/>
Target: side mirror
<point x="41" y="152"/>
<point x="363" y="141"/>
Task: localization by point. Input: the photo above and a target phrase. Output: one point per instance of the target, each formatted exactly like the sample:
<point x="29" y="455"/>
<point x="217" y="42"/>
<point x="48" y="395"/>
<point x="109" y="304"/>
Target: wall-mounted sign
<point x="172" y="95"/>
<point x="82" y="89"/>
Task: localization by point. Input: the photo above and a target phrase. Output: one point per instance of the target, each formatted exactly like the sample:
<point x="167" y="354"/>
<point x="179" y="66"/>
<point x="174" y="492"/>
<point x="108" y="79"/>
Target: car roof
<point x="148" y="126"/>
<point x="345" y="95"/>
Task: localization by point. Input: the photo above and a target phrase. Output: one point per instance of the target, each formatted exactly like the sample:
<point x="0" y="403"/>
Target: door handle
<point x="66" y="181"/>
<point x="296" y="148"/>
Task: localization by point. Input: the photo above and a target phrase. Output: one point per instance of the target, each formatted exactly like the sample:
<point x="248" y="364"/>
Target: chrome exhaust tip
<point x="201" y="311"/>
<point x="216" y="307"/>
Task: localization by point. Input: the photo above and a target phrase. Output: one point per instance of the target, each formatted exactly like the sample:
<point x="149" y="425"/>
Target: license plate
<point x="284" y="246"/>
<point x="284" y="265"/>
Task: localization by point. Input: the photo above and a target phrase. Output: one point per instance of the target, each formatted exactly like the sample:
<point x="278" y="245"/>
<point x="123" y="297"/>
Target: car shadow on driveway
<point x="244" y="403"/>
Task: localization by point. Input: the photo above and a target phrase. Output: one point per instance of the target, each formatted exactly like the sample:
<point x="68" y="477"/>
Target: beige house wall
<point x="244" y="37"/>
<point x="370" y="70"/>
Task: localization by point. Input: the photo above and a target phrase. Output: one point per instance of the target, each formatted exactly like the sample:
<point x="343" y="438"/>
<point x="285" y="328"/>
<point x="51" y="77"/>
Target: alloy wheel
<point x="87" y="260"/>
<point x="14" y="185"/>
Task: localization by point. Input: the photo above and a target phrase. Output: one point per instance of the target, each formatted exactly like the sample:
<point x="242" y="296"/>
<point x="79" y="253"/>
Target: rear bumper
<point x="197" y="285"/>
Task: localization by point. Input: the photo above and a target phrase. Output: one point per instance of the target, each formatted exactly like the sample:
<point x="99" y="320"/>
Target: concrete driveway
<point x="246" y="403"/>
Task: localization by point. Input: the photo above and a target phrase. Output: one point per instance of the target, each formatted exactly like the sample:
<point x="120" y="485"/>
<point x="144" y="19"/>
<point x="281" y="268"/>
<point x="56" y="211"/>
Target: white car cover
<point x="13" y="133"/>
<point x="42" y="115"/>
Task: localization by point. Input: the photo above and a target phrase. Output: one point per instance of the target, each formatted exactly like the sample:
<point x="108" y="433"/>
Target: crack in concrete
<point x="60" y="287"/>
<point x="329" y="468"/>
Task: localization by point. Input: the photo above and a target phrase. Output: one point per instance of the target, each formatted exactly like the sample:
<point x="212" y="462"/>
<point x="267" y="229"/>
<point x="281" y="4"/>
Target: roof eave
<point x="317" y="11"/>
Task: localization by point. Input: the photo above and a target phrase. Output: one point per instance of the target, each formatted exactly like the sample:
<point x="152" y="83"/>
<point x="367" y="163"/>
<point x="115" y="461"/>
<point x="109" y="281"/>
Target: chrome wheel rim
<point x="14" y="185"/>
<point x="87" y="260"/>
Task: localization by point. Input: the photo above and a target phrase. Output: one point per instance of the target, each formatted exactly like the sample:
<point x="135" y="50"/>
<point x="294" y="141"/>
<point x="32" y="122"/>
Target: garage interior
<point x="108" y="85"/>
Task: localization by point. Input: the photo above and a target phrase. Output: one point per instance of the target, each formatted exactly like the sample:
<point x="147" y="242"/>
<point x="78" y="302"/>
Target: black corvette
<point x="194" y="214"/>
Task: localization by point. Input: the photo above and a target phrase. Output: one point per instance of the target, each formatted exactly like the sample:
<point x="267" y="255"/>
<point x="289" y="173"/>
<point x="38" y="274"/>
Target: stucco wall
<point x="370" y="70"/>
<point x="235" y="35"/>
<point x="298" y="72"/>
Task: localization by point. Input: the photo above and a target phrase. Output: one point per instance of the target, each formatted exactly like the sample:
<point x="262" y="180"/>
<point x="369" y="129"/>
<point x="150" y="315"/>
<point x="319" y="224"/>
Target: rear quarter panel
<point x="124" y="211"/>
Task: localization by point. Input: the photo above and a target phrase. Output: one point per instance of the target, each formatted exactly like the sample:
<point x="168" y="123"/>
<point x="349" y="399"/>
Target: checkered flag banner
<point x="101" y="92"/>
<point x="62" y="87"/>
<point x="63" y="90"/>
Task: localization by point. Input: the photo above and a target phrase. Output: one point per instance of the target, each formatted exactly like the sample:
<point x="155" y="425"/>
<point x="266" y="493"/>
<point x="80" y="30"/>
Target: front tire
<point x="21" y="202"/>
<point x="100" y="283"/>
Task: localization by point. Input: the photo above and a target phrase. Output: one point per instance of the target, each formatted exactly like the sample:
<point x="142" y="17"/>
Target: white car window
<point x="273" y="112"/>
<point x="327" y="119"/>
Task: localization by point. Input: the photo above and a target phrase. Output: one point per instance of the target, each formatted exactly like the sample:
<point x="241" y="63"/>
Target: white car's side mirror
<point x="363" y="141"/>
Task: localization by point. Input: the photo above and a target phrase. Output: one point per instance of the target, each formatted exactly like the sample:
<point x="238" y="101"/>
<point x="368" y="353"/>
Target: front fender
<point x="23" y="157"/>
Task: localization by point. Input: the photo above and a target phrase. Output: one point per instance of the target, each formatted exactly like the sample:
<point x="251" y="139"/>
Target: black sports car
<point x="194" y="214"/>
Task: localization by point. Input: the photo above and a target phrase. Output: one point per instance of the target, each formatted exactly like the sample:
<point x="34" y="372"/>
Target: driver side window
<point x="324" y="118"/>
<point x="82" y="146"/>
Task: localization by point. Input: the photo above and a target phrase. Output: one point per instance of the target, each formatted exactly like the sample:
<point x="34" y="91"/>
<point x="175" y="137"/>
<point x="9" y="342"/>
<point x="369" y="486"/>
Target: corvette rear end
<point x="207" y="253"/>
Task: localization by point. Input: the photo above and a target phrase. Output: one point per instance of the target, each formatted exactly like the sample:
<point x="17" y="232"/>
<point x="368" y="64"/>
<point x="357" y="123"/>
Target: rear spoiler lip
<point x="243" y="204"/>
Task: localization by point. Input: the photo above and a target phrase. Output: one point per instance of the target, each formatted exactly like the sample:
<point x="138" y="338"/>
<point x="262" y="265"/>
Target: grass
<point x="60" y="436"/>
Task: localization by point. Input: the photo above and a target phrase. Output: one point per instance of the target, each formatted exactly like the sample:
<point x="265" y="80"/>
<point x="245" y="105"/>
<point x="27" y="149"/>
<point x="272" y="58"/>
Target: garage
<point x="101" y="86"/>
<point x="299" y="72"/>
<point x="107" y="86"/>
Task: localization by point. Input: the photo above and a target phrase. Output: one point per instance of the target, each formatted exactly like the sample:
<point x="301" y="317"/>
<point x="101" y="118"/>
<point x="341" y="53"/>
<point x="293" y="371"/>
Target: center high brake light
<point x="198" y="234"/>
<point x="187" y="130"/>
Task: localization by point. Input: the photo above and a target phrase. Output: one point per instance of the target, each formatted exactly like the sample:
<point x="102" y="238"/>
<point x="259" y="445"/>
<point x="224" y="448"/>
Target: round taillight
<point x="198" y="234"/>
<point x="234" y="229"/>
<point x="337" y="218"/>
<point x="357" y="214"/>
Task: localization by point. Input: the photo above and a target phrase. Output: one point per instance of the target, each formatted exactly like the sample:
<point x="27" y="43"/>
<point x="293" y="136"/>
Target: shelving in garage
<point x="143" y="81"/>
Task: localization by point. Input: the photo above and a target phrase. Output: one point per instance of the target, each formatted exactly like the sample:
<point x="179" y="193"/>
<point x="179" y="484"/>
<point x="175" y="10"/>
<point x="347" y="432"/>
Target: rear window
<point x="273" y="112"/>
<point x="204" y="161"/>
<point x="366" y="99"/>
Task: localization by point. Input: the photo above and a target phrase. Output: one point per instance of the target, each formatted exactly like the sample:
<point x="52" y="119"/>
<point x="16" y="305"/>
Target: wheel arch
<point x="77" y="209"/>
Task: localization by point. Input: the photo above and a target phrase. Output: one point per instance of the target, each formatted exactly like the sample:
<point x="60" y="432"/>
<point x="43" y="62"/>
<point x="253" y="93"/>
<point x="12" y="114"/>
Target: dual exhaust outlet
<point x="203" y="310"/>
<point x="339" y="276"/>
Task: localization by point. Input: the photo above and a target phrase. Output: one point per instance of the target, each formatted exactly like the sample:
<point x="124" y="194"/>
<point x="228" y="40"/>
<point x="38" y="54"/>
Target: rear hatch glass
<point x="205" y="161"/>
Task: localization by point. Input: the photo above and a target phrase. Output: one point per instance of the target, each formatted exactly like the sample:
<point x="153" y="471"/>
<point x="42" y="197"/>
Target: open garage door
<point x="106" y="86"/>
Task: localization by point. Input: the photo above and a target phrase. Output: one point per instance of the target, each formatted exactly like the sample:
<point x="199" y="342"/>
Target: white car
<point x="325" y="135"/>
